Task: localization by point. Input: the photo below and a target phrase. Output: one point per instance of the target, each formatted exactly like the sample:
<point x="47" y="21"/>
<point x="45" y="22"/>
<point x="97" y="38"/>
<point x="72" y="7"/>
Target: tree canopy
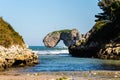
<point x="111" y="9"/>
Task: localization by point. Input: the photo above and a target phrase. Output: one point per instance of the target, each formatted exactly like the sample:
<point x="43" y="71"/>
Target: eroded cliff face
<point x="69" y="37"/>
<point x="13" y="51"/>
<point x="52" y="39"/>
<point x="102" y="41"/>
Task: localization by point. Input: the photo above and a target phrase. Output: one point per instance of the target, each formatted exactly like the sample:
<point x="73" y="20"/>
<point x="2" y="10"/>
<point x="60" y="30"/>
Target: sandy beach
<point x="71" y="75"/>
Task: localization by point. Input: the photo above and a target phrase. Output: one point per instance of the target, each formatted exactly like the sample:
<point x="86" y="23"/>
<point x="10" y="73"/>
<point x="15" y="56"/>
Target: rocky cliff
<point x="69" y="37"/>
<point x="13" y="51"/>
<point x="103" y="40"/>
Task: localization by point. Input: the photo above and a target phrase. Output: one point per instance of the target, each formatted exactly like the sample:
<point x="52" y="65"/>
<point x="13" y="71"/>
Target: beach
<point x="56" y="40"/>
<point x="68" y="75"/>
<point x="56" y="64"/>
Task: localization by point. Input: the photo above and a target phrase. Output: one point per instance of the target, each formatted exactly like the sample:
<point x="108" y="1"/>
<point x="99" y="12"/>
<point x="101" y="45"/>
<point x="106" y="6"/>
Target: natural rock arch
<point x="69" y="37"/>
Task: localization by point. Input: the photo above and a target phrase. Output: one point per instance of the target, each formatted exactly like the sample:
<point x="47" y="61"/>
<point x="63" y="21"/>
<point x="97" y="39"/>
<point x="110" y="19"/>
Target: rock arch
<point x="69" y="37"/>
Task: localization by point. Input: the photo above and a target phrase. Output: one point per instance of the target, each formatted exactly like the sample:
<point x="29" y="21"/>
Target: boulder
<point x="69" y="37"/>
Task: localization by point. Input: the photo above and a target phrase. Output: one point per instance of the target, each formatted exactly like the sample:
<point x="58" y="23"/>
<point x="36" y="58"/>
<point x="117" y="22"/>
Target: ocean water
<point x="58" y="59"/>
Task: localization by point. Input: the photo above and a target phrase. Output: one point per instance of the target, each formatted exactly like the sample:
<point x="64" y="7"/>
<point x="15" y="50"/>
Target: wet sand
<point x="68" y="75"/>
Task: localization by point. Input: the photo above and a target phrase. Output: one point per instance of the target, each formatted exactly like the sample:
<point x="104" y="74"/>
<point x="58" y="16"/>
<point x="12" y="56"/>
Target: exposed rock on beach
<point x="13" y="51"/>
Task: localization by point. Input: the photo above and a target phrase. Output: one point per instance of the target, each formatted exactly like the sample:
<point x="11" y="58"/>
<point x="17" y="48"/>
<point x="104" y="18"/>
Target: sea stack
<point x="69" y="37"/>
<point x="13" y="50"/>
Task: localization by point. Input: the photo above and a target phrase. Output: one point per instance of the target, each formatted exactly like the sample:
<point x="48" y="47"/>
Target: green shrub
<point x="99" y="25"/>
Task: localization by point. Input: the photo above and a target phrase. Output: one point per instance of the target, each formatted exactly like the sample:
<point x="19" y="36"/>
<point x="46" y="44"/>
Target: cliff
<point x="13" y="51"/>
<point x="103" y="40"/>
<point x="69" y="37"/>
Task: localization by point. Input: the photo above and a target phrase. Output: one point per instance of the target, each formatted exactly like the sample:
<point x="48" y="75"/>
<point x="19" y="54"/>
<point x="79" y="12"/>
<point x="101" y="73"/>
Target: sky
<point x="34" y="19"/>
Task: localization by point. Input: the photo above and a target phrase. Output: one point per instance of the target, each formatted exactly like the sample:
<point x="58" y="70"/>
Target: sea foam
<point x="50" y="51"/>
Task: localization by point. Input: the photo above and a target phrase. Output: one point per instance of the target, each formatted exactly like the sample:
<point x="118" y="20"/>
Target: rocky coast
<point x="17" y="56"/>
<point x="102" y="41"/>
<point x="99" y="43"/>
<point x="13" y="50"/>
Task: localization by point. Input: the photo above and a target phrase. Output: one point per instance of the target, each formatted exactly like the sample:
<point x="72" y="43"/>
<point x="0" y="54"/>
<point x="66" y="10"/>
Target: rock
<point x="102" y="41"/>
<point x="17" y="56"/>
<point x="13" y="51"/>
<point x="52" y="39"/>
<point x="111" y="52"/>
<point x="82" y="51"/>
<point x="69" y="37"/>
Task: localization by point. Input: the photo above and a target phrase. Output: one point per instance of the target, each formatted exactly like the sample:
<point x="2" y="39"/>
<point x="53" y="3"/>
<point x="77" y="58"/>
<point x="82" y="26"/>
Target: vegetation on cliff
<point x="62" y="31"/>
<point x="110" y="9"/>
<point x="103" y="40"/>
<point x="8" y="36"/>
<point x="13" y="51"/>
<point x="107" y="26"/>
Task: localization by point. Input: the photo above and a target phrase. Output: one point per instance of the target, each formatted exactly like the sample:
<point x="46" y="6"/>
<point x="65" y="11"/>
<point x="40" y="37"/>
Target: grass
<point x="8" y="36"/>
<point x="99" y="25"/>
<point x="62" y="31"/>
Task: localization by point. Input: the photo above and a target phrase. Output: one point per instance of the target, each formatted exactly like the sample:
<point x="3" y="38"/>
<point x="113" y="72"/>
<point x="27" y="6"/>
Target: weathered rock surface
<point x="69" y="37"/>
<point x="103" y="40"/>
<point x="17" y="56"/>
<point x="110" y="51"/>
<point x="52" y="39"/>
<point x="103" y="43"/>
<point x="13" y="51"/>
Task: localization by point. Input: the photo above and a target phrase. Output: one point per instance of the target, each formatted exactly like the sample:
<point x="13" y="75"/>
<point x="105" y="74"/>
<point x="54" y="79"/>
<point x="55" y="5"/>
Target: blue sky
<point x="33" y="19"/>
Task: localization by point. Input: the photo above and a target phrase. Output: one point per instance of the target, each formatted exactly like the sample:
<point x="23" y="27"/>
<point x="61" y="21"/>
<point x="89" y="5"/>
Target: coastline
<point x="18" y="73"/>
<point x="63" y="75"/>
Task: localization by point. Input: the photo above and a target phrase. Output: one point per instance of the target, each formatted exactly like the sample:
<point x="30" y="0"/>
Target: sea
<point x="59" y="59"/>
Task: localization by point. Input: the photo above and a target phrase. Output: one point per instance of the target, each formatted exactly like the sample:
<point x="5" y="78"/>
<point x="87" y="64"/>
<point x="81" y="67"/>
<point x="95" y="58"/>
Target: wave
<point x="39" y="48"/>
<point x="42" y="50"/>
<point x="52" y="52"/>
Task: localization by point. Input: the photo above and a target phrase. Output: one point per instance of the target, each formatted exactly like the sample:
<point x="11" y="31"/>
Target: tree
<point x="111" y="9"/>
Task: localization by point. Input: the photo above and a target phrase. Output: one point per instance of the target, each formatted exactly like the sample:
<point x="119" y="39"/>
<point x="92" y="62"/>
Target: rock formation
<point x="100" y="43"/>
<point x="13" y="51"/>
<point x="103" y="40"/>
<point x="69" y="37"/>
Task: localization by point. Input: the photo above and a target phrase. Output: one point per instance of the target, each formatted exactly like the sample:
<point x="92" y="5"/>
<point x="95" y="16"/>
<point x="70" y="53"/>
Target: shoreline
<point x="65" y="75"/>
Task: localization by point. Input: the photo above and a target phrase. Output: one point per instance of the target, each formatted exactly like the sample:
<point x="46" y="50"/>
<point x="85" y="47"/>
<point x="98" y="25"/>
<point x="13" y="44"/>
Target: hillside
<point x="8" y="36"/>
<point x="13" y="51"/>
